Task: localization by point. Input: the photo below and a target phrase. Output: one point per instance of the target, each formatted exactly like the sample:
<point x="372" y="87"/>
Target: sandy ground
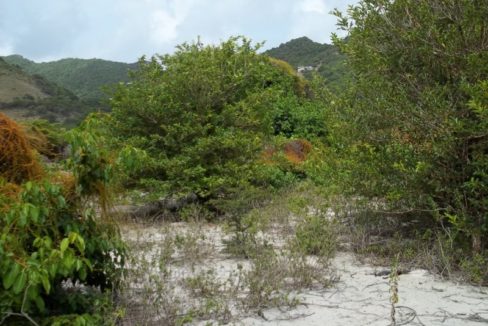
<point x="359" y="297"/>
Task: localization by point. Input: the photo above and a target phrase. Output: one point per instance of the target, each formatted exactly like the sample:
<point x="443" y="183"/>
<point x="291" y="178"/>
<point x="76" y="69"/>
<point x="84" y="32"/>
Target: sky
<point x="124" y="30"/>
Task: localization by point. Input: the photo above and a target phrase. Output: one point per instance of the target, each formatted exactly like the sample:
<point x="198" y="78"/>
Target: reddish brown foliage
<point x="267" y="154"/>
<point x="18" y="161"/>
<point x="295" y="151"/>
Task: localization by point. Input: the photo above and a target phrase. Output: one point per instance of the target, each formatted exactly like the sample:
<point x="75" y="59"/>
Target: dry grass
<point x="18" y="162"/>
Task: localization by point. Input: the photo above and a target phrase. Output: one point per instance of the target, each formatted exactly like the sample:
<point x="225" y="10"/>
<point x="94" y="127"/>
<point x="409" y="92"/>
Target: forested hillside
<point x="84" y="77"/>
<point x="32" y="96"/>
<point x="325" y="59"/>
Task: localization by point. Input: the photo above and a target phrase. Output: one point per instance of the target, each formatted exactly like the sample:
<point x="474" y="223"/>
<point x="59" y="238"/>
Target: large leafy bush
<point x="416" y="114"/>
<point x="51" y="235"/>
<point x="204" y="114"/>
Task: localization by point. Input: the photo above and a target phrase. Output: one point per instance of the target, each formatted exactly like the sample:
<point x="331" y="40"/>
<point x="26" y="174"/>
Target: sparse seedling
<point x="393" y="290"/>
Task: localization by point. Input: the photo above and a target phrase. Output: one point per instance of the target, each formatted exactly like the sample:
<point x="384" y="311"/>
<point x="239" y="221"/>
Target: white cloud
<point x="163" y="26"/>
<point x="6" y="49"/>
<point x="314" y="6"/>
<point x="308" y="20"/>
<point x="166" y="19"/>
<point x="126" y="29"/>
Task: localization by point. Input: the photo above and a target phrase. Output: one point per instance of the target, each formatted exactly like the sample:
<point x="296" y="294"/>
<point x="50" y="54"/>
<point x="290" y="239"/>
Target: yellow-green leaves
<point x="64" y="245"/>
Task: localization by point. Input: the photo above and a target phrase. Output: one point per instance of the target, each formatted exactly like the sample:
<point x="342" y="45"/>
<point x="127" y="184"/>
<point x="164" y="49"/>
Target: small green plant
<point x="211" y="294"/>
<point x="475" y="268"/>
<point x="244" y="221"/>
<point x="203" y="285"/>
<point x="195" y="213"/>
<point x="266" y="282"/>
<point x="307" y="272"/>
<point x="317" y="235"/>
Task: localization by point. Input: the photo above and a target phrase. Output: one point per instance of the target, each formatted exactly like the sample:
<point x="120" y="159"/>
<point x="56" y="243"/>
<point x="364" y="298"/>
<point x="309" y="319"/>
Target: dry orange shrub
<point x="295" y="151"/>
<point x="18" y="162"/>
<point x="10" y="190"/>
<point x="67" y="181"/>
<point x="38" y="141"/>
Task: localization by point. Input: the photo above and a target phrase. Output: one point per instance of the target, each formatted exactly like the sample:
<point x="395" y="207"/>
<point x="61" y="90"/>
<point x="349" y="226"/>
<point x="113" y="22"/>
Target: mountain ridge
<point x="325" y="59"/>
<point x="83" y="77"/>
<point x="26" y="96"/>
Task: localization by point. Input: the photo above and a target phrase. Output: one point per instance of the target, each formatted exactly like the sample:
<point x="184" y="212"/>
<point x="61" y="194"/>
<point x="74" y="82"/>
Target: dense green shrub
<point x="412" y="129"/>
<point x="203" y="116"/>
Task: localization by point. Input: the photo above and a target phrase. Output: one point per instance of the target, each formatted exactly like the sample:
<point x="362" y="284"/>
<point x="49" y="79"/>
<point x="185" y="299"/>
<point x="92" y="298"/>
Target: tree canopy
<point x="204" y="113"/>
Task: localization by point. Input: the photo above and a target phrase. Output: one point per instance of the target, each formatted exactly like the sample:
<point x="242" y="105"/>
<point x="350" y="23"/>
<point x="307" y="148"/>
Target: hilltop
<point x="302" y="52"/>
<point x="83" y="77"/>
<point x="23" y="95"/>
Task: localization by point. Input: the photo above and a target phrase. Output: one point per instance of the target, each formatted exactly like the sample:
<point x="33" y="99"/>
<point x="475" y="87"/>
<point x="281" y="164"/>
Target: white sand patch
<point x="359" y="297"/>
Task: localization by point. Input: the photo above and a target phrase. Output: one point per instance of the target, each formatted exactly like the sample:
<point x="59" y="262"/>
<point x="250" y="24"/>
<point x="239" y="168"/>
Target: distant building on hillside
<point x="302" y="69"/>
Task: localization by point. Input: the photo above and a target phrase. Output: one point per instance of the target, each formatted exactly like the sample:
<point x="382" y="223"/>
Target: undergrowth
<point x="192" y="272"/>
<point x="381" y="239"/>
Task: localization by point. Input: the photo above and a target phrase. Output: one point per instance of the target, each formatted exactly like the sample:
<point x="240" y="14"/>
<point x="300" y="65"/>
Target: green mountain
<point x="84" y="77"/>
<point x="25" y="96"/>
<point x="307" y="56"/>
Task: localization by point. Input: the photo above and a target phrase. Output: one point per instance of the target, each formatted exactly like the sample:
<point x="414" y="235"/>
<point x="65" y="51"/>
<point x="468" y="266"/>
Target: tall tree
<point x="202" y="114"/>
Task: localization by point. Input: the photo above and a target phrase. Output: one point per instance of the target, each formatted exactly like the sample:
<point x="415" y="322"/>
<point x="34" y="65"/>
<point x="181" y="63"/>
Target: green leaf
<point x="9" y="280"/>
<point x="22" y="218"/>
<point x="34" y="212"/>
<point x="64" y="245"/>
<point x="87" y="263"/>
<point x="80" y="321"/>
<point x="80" y="244"/>
<point x="68" y="260"/>
<point x="61" y="201"/>
<point x="46" y="284"/>
<point x="40" y="303"/>
<point x="20" y="283"/>
<point x="53" y="269"/>
<point x="83" y="274"/>
<point x="79" y="264"/>
<point x="72" y="237"/>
